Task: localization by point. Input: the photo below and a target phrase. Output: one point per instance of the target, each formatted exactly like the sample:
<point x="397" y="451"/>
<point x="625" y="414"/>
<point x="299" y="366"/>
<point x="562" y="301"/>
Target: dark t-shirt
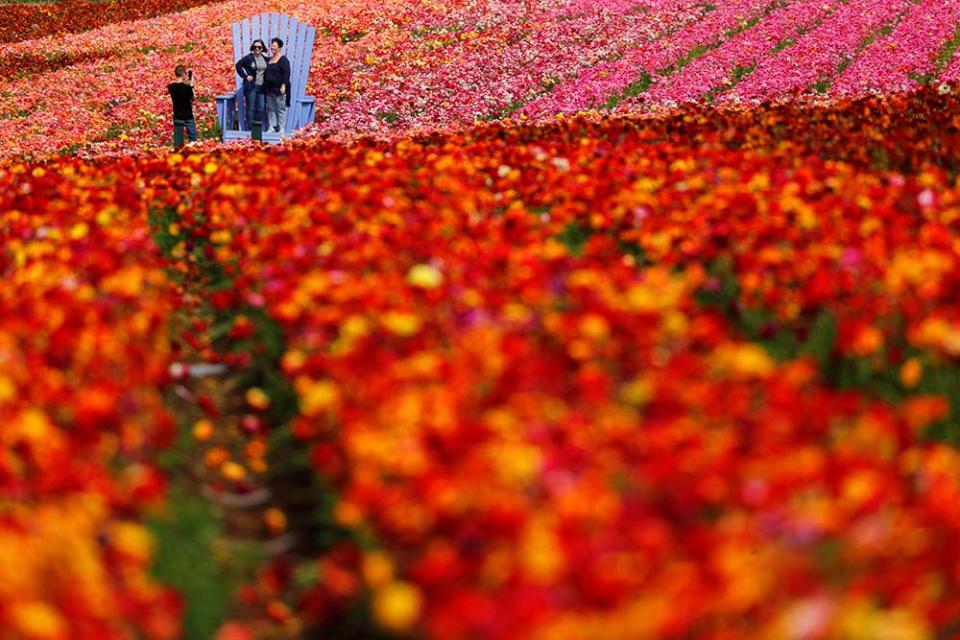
<point x="182" y="95"/>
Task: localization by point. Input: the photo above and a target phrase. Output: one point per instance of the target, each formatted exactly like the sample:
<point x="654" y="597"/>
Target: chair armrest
<point x="306" y="111"/>
<point x="226" y="107"/>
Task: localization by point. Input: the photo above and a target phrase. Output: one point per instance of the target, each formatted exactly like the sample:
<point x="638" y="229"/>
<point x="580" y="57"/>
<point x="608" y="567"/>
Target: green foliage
<point x="785" y="43"/>
<point x="507" y="111"/>
<point x="351" y="36"/>
<point x="946" y="53"/>
<point x="633" y="249"/>
<point x="741" y="72"/>
<point x="388" y="116"/>
<point x="694" y="53"/>
<point x="631" y="90"/>
<point x="194" y="558"/>
<point x="113" y="131"/>
<point x="70" y="149"/>
<point x="574" y="237"/>
<point x="208" y="130"/>
<point x="192" y="555"/>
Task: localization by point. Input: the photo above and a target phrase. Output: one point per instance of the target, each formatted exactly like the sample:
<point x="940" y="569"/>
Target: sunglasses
<point x="257" y="47"/>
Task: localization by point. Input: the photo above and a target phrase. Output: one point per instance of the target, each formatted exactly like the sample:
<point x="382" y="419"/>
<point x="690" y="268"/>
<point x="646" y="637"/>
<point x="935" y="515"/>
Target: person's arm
<point x="242" y="69"/>
<point x="285" y="84"/>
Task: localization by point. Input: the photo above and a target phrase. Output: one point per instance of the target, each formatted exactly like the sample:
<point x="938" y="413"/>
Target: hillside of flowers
<point x="398" y="67"/>
<point x="568" y="319"/>
<point x="30" y="20"/>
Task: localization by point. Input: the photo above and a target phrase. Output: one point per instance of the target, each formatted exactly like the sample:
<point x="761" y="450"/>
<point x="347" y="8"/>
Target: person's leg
<point x="258" y="104"/>
<point x="282" y="114"/>
<point x="271" y="106"/>
<point x="192" y="130"/>
<point x="248" y="101"/>
<point x="179" y="128"/>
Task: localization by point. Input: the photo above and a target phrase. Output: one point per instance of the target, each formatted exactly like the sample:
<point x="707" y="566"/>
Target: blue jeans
<point x="190" y="126"/>
<point x="253" y="103"/>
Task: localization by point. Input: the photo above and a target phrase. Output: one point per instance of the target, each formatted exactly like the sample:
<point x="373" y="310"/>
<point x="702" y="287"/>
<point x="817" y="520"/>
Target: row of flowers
<point x="523" y="357"/>
<point x="597" y="84"/>
<point x="84" y="354"/>
<point x="26" y="21"/>
<point x="817" y="56"/>
<point x="395" y="68"/>
<point x="918" y="40"/>
<point x="718" y="68"/>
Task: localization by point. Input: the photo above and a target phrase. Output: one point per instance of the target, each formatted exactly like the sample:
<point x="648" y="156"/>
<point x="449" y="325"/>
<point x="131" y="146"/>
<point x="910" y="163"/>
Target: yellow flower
<point x="37" y="620"/>
<point x="401" y="323"/>
<point x="516" y="464"/>
<point x="636" y="392"/>
<point x="202" y="430"/>
<point x="743" y="361"/>
<point x="233" y="471"/>
<point x="132" y="540"/>
<point x="316" y="396"/>
<point x="257" y="398"/>
<point x="911" y="372"/>
<point x="541" y="555"/>
<point x="594" y="326"/>
<point x="125" y="282"/>
<point x="79" y="231"/>
<point x="425" y="276"/>
<point x="8" y="390"/>
<point x="33" y="426"/>
<point x="866" y="621"/>
<point x="397" y="606"/>
<point x="293" y="360"/>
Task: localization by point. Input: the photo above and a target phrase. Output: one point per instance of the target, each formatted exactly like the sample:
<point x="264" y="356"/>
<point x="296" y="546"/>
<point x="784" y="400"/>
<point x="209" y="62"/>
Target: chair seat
<point x="269" y="137"/>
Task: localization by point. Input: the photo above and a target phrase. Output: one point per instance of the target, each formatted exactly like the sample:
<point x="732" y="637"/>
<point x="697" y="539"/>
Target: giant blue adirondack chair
<point x="298" y="39"/>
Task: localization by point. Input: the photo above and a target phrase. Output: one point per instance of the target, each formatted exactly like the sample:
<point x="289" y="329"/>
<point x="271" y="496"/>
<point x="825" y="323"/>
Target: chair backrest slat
<point x="284" y="28"/>
<point x="297" y="60"/>
<point x="237" y="49"/>
<point x="275" y="25"/>
<point x="306" y="53"/>
<point x="295" y="54"/>
<point x="243" y="48"/>
<point x="256" y="32"/>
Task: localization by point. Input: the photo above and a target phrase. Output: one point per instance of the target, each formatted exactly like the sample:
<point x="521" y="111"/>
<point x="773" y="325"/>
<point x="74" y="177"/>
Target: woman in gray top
<point x="251" y="67"/>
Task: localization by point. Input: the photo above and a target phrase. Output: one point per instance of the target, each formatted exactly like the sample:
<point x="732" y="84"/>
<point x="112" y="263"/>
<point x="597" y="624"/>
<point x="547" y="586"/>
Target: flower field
<point x="397" y="68"/>
<point x="593" y="319"/>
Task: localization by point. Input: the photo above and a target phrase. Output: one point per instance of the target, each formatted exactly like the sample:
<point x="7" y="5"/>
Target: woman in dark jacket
<point x="276" y="86"/>
<point x="251" y="68"/>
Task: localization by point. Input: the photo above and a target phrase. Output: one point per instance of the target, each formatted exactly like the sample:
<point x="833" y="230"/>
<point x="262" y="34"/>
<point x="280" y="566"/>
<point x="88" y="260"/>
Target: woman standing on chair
<point x="251" y="67"/>
<point x="276" y="85"/>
